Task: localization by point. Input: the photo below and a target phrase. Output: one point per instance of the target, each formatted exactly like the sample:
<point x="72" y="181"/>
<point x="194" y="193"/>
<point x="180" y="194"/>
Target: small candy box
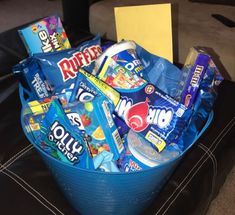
<point x="153" y="114"/>
<point x="46" y="35"/>
<point x="195" y="67"/>
<point x="94" y="118"/>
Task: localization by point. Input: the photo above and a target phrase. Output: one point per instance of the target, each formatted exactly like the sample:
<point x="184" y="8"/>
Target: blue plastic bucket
<point x="100" y="193"/>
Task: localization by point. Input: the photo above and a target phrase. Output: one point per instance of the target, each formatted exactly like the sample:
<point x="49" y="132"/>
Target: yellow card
<point x="149" y="26"/>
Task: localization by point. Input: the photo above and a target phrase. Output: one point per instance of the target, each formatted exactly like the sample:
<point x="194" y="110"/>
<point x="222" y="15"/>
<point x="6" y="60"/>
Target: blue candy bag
<point x="61" y="68"/>
<point x="154" y="69"/>
<point x="58" y="135"/>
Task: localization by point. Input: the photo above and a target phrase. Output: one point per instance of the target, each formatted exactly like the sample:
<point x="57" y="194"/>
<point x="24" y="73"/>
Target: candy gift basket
<point x="111" y="120"/>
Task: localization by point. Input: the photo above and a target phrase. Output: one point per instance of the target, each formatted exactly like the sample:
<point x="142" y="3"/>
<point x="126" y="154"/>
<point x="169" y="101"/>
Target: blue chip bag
<point x="61" y="68"/>
<point x="58" y="134"/>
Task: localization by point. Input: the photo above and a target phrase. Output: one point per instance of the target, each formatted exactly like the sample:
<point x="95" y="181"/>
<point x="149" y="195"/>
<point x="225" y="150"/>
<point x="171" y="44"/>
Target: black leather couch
<point x="27" y="187"/>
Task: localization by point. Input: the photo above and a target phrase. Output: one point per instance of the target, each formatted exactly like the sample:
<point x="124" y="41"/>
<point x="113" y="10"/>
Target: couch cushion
<point x="193" y="25"/>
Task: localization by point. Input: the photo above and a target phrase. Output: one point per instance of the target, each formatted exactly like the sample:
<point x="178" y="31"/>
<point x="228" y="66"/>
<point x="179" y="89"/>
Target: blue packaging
<point x="58" y="134"/>
<point x="87" y="86"/>
<point x="124" y="54"/>
<point x="60" y="68"/>
<point x="153" y="114"/>
<point x="160" y="72"/>
<point x="203" y="104"/>
<point x="139" y="154"/>
<point x="196" y="65"/>
<point x="83" y="90"/>
<point x="33" y="78"/>
<point x="121" y="125"/>
<point x="95" y="119"/>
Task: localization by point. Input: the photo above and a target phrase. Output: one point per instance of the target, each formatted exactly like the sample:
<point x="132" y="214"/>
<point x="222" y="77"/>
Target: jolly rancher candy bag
<point x="58" y="134"/>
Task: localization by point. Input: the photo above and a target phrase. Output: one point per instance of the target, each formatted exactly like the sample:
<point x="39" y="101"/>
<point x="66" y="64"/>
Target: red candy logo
<point x="69" y="66"/>
<point x="135" y="116"/>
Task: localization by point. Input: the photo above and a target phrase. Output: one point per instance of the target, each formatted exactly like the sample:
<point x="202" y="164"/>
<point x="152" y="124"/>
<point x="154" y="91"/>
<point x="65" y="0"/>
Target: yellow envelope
<point x="149" y="26"/>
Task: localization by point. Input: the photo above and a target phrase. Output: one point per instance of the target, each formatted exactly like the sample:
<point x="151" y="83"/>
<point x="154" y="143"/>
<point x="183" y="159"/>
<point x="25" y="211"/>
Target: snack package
<point x="153" y="114"/>
<point x="95" y="119"/>
<point x="61" y="68"/>
<point x="66" y="145"/>
<point x="139" y="154"/>
<point x="118" y="76"/>
<point x="32" y="125"/>
<point x="124" y="54"/>
<point x="160" y="72"/>
<point x="30" y="75"/>
<point x="195" y="66"/>
<point x="203" y="105"/>
<point x="88" y="86"/>
<point x="46" y="35"/>
<point x="39" y="106"/>
<point x="212" y="77"/>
